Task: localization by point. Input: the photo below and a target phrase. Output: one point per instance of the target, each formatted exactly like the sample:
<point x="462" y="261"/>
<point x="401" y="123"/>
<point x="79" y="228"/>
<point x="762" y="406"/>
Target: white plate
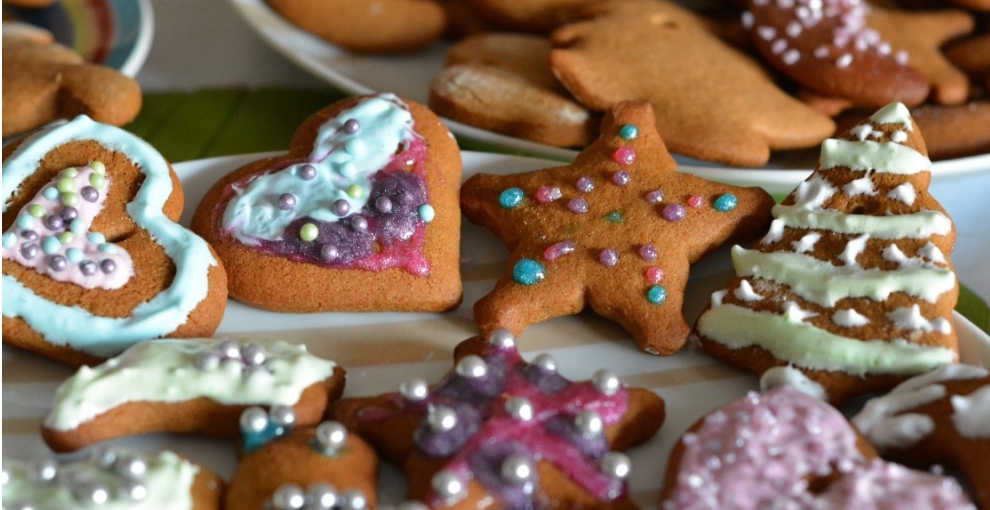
<point x="381" y="350"/>
<point x="114" y="33"/>
<point x="410" y="76"/>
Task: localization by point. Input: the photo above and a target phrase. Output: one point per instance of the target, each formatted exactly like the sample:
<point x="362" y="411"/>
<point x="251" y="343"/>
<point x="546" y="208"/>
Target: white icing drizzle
<point x="813" y="192"/>
<point x="971" y="413"/>
<point x="886" y="157"/>
<point x="718" y="296"/>
<point x="849" y="318"/>
<point x="861" y="186"/>
<point x="794" y="313"/>
<point x="825" y="284"/>
<point x="852" y="250"/>
<point x="862" y="131"/>
<point x="911" y="318"/>
<point x="165" y="371"/>
<point x="893" y="253"/>
<point x="745" y="292"/>
<point x="916" y="225"/>
<point x="789" y="376"/>
<point x="776" y="232"/>
<point x="931" y="252"/>
<point x="806" y="243"/>
<point x="894" y="113"/>
<point x="904" y="193"/>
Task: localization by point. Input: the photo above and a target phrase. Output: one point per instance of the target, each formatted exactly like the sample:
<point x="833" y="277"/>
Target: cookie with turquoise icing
<point x="852" y="284"/>
<point x="360" y="215"/>
<point x="112" y="477"/>
<point x="93" y="257"/>
<point x="196" y="386"/>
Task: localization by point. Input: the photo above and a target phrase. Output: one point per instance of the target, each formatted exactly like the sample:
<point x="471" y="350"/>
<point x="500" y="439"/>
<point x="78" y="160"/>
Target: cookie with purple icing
<point x="361" y="214"/>
<point x="93" y="257"/>
<point x="498" y="428"/>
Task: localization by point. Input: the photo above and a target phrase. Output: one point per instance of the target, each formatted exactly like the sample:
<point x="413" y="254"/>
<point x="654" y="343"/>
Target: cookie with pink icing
<point x="503" y="430"/>
<point x="786" y="449"/>
<point x="93" y="259"/>
<point x="852" y="284"/>
<point x="941" y="418"/>
<point x="361" y="214"/>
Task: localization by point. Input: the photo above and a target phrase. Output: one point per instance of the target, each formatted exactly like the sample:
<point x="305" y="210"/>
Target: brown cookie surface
<point x="387" y="220"/>
<point x="615" y="231"/>
<point x="712" y="102"/>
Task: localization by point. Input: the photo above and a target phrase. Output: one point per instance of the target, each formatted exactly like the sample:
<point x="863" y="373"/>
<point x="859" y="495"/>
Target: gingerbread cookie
<point x="386" y="26"/>
<point x="712" y="101"/>
<point x="364" y="204"/>
<point x="502" y="82"/>
<point x="941" y="418"/>
<point x="44" y="81"/>
<point x="196" y="386"/>
<point x="93" y="259"/>
<point x="112" y="478"/>
<point x="499" y="429"/>
<point x="616" y="230"/>
<point x="539" y="16"/>
<point x="972" y="56"/>
<point x="785" y="449"/>
<point x="310" y="468"/>
<point x="852" y="284"/>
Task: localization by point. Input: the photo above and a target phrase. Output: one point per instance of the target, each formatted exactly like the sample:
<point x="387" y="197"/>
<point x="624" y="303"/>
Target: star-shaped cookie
<point x="616" y="230"/>
<point x="500" y="431"/>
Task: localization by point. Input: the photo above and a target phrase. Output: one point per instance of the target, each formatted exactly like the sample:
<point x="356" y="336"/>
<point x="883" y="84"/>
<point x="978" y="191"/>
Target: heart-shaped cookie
<point x="360" y="215"/>
<point x="94" y="260"/>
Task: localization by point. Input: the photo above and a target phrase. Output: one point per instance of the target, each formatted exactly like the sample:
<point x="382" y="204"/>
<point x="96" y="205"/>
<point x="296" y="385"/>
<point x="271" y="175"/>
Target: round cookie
<point x="112" y="478"/>
<point x="851" y="285"/>
<point x="786" y="449"/>
<point x="197" y="386"/>
<point x="384" y="26"/>
<point x="360" y="215"/>
<point x="941" y="418"/>
<point x="497" y="428"/>
<point x="539" y="16"/>
<point x="94" y="260"/>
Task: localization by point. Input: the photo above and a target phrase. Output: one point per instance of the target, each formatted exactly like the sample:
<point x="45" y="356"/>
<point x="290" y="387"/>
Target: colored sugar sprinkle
<point x="628" y="132"/>
<point x="621" y="178"/>
<point x="656" y="294"/>
<point x="695" y="201"/>
<point x="726" y="203"/>
<point x="608" y="257"/>
<point x="648" y="252"/>
<point x="674" y="212"/>
<point x="511" y="198"/>
<point x="308" y="232"/>
<point x="547" y="194"/>
<point x="528" y="272"/>
<point x="557" y="250"/>
<point x="578" y="206"/>
<point x="615" y="217"/>
<point x="655" y="196"/>
<point x="654" y="274"/>
<point x="427" y="213"/>
<point x="355" y="191"/>
<point x="585" y="184"/>
<point x="624" y="155"/>
<point x="98" y="181"/>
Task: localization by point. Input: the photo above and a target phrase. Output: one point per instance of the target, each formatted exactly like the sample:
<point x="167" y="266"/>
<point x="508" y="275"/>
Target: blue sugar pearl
<point x="108" y="248"/>
<point x="75" y="255"/>
<point x="656" y="294"/>
<point x="51" y="245"/>
<point x="253" y="440"/>
<point x="78" y="226"/>
<point x="726" y="203"/>
<point x="9" y="240"/>
<point x="26" y="222"/>
<point x="511" y="197"/>
<point x="528" y="272"/>
<point x="51" y="193"/>
<point x="615" y="217"/>
<point x="427" y="213"/>
<point x="628" y="132"/>
<point x="97" y="238"/>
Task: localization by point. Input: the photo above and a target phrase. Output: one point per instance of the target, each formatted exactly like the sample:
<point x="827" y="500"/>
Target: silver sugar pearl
<point x="287" y="201"/>
<point x="472" y="367"/>
<point x="414" y="389"/>
<point x="132" y="490"/>
<point x="254" y="419"/>
<point x="332" y="435"/>
<point x="44" y="470"/>
<point x="353" y="499"/>
<point x="90" y="493"/>
<point x="384" y="204"/>
<point x="447" y="485"/>
<point x="341" y="207"/>
<point x="130" y="466"/>
<point x="4" y="476"/>
<point x="289" y="497"/>
<point x="321" y="496"/>
<point x="307" y="172"/>
<point x="519" y="408"/>
<point x="207" y="360"/>
<point x="502" y="339"/>
<point x="228" y="349"/>
<point x="517" y="469"/>
<point x="546" y="362"/>
<point x="283" y="416"/>
<point x="103" y="456"/>
<point x="441" y="419"/>
<point x="589" y="423"/>
<point x="254" y="355"/>
<point x="329" y="252"/>
<point x="616" y="465"/>
<point x="606" y="382"/>
<point x="359" y="223"/>
<point x="352" y="126"/>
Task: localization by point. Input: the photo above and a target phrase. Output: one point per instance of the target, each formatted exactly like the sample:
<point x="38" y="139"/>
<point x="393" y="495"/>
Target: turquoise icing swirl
<point x="74" y="326"/>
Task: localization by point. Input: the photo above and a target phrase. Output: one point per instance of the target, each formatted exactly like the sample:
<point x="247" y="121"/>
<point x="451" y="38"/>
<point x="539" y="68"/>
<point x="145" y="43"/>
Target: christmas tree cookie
<point x="851" y="288"/>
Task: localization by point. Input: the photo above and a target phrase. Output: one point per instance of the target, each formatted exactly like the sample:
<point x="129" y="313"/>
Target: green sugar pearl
<point x="36" y="210"/>
<point x="70" y="199"/>
<point x="355" y="191"/>
<point x="97" y="180"/>
<point x="66" y="237"/>
<point x="98" y="167"/>
<point x="308" y="232"/>
<point x="66" y="184"/>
